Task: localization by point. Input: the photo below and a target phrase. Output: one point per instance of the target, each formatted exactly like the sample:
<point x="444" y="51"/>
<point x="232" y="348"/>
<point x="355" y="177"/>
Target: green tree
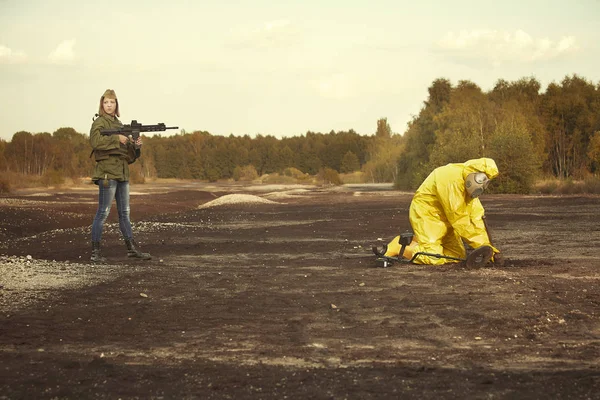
<point x="413" y="163"/>
<point x="571" y="112"/>
<point x="593" y="152"/>
<point x="464" y="126"/>
<point x="513" y="150"/>
<point x="350" y="162"/>
<point x="522" y="100"/>
<point x="384" y="131"/>
<point x="384" y="154"/>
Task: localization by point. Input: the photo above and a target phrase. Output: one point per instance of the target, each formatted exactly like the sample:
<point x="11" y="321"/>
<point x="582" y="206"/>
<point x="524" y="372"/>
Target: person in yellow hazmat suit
<point x="446" y="210"/>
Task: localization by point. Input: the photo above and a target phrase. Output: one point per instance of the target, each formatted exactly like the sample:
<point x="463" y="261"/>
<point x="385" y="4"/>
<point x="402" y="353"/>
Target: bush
<point x="213" y="174"/>
<point x="294" y="173"/>
<point x="278" y="179"/>
<point x="354" y="177"/>
<point x="20" y="181"/>
<point x="245" y="173"/>
<point x="4" y="185"/>
<point x="53" y="178"/>
<point x="329" y="176"/>
<point x="590" y="185"/>
<point x="546" y="187"/>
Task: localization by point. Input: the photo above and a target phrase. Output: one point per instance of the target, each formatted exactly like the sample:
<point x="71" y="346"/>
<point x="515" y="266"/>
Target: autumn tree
<point x="19" y="152"/>
<point x="384" y="131"/>
<point x="71" y="152"/>
<point x="594" y="153"/>
<point x="571" y="112"/>
<point x="413" y="163"/>
<point x="384" y="151"/>
<point x="521" y="100"/>
<point x="464" y="126"/>
<point x="43" y="155"/>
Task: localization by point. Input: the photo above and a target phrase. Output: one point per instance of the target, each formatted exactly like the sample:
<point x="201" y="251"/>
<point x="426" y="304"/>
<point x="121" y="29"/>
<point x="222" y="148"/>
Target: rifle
<point x="135" y="128"/>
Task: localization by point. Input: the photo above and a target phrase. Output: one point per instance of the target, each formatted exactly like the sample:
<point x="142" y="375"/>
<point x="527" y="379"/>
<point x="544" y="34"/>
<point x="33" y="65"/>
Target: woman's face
<point x="109" y="105"/>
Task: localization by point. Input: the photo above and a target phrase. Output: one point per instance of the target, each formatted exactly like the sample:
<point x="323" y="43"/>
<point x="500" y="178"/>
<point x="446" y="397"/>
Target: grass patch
<point x="568" y="186"/>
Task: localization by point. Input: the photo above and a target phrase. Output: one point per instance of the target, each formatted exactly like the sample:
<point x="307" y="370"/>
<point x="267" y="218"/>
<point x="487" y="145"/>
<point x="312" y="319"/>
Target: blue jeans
<point x="120" y="192"/>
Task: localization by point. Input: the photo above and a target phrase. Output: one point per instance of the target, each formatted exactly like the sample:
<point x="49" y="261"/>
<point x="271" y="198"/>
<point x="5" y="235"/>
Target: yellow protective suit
<point x="442" y="214"/>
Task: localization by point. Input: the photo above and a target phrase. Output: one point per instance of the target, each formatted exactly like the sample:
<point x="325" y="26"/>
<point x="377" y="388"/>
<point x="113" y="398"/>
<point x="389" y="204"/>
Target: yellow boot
<point x="394" y="247"/>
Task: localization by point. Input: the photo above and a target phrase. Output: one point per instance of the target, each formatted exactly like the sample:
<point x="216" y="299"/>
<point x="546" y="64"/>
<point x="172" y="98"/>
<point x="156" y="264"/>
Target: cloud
<point x="273" y="34"/>
<point x="337" y="86"/>
<point x="8" y="56"/>
<point x="502" y="47"/>
<point x="64" y="53"/>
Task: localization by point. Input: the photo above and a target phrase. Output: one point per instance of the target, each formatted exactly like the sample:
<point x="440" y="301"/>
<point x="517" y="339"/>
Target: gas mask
<point x="476" y="184"/>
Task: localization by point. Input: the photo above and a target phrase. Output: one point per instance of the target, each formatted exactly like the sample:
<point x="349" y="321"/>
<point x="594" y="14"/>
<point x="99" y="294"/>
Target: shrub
<point x="53" y="178"/>
<point x="590" y="185"/>
<point x="245" y="173"/>
<point x="4" y="185"/>
<point x="213" y="174"/>
<point x="354" y="177"/>
<point x="294" y="173"/>
<point x="329" y="176"/>
<point x="277" y="179"/>
<point x="546" y="187"/>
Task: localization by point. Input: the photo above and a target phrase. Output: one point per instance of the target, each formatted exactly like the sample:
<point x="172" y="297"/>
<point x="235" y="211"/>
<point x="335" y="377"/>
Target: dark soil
<point x="286" y="301"/>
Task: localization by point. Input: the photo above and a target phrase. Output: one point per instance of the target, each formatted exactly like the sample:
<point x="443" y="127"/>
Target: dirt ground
<point x="284" y="299"/>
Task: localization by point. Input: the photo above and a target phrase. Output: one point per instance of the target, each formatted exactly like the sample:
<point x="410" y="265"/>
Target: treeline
<point x="530" y="134"/>
<point x="200" y="155"/>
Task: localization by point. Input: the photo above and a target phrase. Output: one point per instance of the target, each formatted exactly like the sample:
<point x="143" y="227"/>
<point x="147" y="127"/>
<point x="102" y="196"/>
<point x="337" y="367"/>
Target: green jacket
<point x="112" y="157"/>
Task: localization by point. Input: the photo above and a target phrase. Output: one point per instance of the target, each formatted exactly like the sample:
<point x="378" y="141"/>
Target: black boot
<point x="96" y="255"/>
<point x="133" y="251"/>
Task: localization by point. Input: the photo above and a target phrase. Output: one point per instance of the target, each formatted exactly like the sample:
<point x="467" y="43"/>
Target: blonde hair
<point x="108" y="93"/>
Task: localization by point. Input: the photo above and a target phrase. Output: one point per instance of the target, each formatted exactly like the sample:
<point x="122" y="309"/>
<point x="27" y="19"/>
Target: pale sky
<point x="277" y="67"/>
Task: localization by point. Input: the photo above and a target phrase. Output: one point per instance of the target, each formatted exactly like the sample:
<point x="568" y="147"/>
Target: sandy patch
<point x="237" y="199"/>
<point x="287" y="194"/>
<point x="274" y="187"/>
